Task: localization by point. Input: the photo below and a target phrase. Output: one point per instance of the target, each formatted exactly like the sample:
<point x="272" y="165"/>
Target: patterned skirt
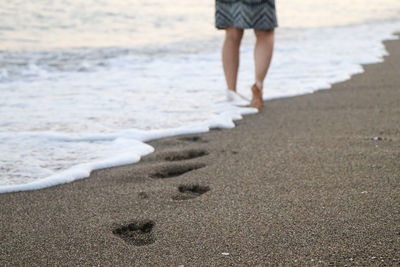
<point x="245" y="14"/>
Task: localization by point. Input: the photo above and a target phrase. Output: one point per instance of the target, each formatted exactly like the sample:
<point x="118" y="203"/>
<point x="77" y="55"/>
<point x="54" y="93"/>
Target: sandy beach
<point x="310" y="180"/>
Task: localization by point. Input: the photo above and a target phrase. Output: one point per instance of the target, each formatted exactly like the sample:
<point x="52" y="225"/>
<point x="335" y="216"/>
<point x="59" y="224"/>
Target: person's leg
<point x="262" y="58"/>
<point x="230" y="56"/>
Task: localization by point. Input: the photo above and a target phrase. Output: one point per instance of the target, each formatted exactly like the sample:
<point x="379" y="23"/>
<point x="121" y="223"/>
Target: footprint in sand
<point x="194" y="138"/>
<point x="177" y="169"/>
<point x="184" y="154"/>
<point x="136" y="233"/>
<point x="174" y="170"/>
<point x="190" y="191"/>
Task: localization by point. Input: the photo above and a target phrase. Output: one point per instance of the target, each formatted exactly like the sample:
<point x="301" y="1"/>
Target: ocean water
<point x="85" y="84"/>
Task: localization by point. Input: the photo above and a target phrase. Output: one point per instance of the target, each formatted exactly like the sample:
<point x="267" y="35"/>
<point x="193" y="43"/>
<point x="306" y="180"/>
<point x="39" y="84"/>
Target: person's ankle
<point x="259" y="85"/>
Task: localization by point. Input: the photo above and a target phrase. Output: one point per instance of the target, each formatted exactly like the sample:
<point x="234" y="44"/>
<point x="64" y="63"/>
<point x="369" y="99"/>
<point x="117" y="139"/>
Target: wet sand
<point x="310" y="180"/>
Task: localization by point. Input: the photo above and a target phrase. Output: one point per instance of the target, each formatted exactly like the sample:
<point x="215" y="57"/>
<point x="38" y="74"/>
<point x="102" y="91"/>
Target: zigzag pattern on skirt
<point x="245" y="14"/>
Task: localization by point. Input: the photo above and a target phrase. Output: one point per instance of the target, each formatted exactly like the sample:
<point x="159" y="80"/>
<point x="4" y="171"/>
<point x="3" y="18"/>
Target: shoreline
<point x="317" y="74"/>
<point x="302" y="182"/>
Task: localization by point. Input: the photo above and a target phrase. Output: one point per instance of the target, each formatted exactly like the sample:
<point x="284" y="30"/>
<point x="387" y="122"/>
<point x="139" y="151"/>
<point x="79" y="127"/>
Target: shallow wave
<point x="35" y="160"/>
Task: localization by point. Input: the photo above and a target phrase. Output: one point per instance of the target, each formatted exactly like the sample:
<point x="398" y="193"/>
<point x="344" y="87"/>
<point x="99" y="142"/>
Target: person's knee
<point x="264" y="33"/>
<point x="234" y="35"/>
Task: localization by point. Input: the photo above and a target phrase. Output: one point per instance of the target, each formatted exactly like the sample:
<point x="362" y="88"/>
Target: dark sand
<point x="301" y="183"/>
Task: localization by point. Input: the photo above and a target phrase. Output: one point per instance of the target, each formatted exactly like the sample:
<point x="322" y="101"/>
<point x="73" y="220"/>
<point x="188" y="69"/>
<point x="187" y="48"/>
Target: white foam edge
<point x="223" y="120"/>
<point x="77" y="172"/>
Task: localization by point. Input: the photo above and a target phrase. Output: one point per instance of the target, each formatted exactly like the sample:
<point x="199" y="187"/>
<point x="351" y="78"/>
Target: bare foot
<point x="257" y="101"/>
